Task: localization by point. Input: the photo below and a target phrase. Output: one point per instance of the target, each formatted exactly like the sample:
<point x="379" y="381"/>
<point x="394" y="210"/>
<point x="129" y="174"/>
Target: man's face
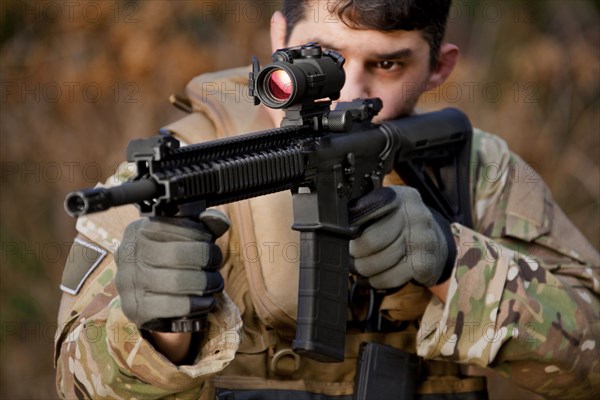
<point x="393" y="66"/>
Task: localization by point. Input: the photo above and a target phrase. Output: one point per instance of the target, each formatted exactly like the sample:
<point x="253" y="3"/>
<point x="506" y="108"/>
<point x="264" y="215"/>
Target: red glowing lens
<point x="279" y="84"/>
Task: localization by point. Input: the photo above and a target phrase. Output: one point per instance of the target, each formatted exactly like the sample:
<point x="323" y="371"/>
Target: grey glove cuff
<point x="447" y="231"/>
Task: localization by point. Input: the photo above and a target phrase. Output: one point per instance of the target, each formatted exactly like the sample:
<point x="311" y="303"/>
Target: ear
<point x="447" y="61"/>
<point x="278" y="27"/>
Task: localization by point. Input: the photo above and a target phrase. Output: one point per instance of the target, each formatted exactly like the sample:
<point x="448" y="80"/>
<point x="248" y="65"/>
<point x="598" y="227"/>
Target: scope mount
<point x="312" y="78"/>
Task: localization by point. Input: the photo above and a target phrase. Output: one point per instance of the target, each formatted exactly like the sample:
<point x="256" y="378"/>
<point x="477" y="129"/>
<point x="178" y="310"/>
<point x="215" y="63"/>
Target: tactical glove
<point x="168" y="267"/>
<point x="402" y="239"/>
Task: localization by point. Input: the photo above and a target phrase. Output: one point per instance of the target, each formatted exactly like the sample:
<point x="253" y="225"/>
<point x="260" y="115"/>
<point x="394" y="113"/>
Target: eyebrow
<point x="324" y="43"/>
<point x="395" y="55"/>
<point x="401" y="54"/>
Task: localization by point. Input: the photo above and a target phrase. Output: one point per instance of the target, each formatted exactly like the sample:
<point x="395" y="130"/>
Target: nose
<point x="357" y="84"/>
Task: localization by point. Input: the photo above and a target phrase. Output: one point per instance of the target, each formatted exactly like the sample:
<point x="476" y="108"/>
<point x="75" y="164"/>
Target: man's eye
<point x="387" y="64"/>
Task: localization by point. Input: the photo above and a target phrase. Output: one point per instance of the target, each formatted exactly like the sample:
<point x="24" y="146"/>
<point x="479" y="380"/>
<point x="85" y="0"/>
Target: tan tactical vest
<point x="261" y="270"/>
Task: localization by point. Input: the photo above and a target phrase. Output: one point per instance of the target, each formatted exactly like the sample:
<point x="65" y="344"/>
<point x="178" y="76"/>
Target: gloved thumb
<point x="215" y="221"/>
<point x="372" y="206"/>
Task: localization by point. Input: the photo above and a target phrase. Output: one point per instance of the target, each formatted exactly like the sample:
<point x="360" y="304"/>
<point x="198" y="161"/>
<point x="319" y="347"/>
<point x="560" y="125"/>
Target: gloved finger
<point x="393" y="277"/>
<point x="198" y="255"/>
<point x="189" y="282"/>
<point x="202" y="303"/>
<point x="158" y="305"/>
<point x="372" y="206"/>
<point x="382" y="260"/>
<point x="125" y="283"/>
<point x="378" y="235"/>
<point x="174" y="229"/>
<point x="215" y="221"/>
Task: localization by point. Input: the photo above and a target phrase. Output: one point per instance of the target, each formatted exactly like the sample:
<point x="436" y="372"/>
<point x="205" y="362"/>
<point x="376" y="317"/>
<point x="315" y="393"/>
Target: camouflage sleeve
<point x="524" y="297"/>
<point x="110" y="359"/>
<point x="99" y="353"/>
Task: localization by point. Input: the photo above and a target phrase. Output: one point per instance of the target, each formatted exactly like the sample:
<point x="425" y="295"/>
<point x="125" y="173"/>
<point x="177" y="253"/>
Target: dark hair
<point x="426" y="16"/>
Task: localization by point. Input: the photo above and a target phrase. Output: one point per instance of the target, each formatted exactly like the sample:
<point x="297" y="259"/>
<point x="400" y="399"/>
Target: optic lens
<point x="279" y="85"/>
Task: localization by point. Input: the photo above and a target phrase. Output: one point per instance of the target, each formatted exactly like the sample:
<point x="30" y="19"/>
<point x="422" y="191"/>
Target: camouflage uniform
<point x="523" y="297"/>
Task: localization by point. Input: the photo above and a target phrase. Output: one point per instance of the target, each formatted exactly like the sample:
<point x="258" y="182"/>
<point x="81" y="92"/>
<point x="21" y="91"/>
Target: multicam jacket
<point x="523" y="298"/>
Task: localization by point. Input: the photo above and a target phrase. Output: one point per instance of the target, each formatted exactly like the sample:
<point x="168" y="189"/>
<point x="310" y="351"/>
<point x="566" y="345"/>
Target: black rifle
<point x="326" y="158"/>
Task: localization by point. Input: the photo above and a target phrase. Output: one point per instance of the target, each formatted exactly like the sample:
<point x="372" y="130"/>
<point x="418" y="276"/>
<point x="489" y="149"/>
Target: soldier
<point x="517" y="292"/>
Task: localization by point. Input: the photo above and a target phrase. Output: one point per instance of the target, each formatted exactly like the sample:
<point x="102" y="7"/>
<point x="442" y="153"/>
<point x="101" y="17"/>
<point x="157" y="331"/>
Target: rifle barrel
<point x="99" y="199"/>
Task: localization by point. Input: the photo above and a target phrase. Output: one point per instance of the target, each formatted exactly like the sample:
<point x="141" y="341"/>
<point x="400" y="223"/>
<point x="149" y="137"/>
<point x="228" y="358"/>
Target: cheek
<point x="397" y="102"/>
<point x="400" y="97"/>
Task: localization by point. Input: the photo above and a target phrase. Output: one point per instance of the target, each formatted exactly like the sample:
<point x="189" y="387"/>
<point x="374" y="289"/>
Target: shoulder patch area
<point x="529" y="210"/>
<point x="83" y="258"/>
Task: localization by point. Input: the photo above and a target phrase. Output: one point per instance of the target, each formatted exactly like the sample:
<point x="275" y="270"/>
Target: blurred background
<point x="81" y="79"/>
